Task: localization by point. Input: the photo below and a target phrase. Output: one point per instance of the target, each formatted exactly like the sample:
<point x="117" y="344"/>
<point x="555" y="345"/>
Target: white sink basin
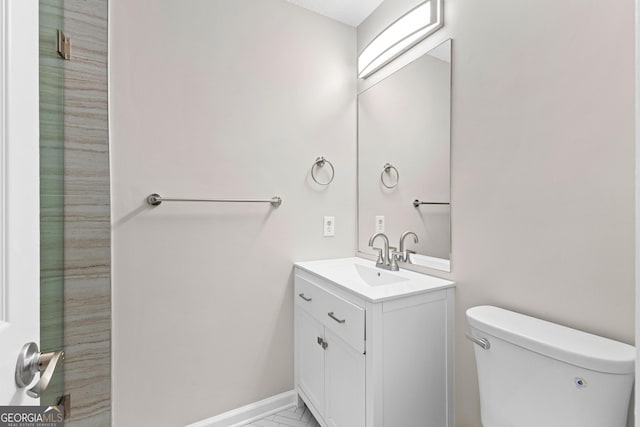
<point x="372" y="276"/>
<point x="363" y="278"/>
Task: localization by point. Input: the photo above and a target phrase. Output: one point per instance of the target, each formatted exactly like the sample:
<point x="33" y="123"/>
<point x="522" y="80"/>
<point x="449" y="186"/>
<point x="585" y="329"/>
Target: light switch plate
<point x="329" y="226"/>
<point x="379" y="224"/>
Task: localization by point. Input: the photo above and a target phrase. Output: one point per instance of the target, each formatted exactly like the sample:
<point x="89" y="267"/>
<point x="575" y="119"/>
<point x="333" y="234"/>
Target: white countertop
<point x="344" y="272"/>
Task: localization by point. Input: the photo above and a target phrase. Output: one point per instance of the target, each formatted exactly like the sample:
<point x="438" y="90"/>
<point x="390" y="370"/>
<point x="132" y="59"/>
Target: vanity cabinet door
<point x="345" y="383"/>
<point x="310" y="358"/>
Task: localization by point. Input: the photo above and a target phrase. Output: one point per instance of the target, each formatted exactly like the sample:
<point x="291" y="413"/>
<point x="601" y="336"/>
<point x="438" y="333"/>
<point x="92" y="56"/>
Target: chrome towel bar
<point x="155" y="199"/>
<point x="417" y="203"/>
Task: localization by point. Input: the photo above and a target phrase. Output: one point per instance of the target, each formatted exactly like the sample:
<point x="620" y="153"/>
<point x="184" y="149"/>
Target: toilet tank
<point x="539" y="374"/>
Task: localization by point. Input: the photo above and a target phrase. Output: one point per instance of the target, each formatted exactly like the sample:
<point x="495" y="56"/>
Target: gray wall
<point x="232" y="98"/>
<point x="542" y="181"/>
<point x="542" y="164"/>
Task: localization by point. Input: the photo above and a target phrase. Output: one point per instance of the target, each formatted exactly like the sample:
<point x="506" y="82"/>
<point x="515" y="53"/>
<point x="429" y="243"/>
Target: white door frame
<point x="19" y="190"/>
<point x="637" y="205"/>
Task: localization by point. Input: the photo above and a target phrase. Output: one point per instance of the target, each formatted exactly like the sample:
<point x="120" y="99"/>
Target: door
<point x="19" y="191"/>
<point x="345" y="383"/>
<point x="310" y="357"/>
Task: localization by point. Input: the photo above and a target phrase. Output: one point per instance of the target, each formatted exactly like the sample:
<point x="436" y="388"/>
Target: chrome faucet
<point x="385" y="260"/>
<point x="403" y="252"/>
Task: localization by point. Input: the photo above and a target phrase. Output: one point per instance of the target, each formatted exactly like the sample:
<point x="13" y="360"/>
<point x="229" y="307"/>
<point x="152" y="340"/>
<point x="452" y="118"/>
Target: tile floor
<point x="294" y="417"/>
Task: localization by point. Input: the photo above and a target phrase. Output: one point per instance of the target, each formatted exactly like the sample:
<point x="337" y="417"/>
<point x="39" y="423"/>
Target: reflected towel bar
<point x="417" y="203"/>
<point x="155" y="199"/>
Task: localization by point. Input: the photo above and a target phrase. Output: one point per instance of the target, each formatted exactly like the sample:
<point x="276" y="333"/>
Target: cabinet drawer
<point x="344" y="318"/>
<point x="307" y="297"/>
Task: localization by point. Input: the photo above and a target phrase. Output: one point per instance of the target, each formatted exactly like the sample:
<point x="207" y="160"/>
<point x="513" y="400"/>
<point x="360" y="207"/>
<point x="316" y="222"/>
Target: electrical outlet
<point x="329" y="226"/>
<point x="380" y="224"/>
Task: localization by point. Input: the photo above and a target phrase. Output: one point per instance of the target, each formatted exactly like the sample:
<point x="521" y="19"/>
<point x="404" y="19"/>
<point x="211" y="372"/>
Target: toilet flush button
<point x="580" y="382"/>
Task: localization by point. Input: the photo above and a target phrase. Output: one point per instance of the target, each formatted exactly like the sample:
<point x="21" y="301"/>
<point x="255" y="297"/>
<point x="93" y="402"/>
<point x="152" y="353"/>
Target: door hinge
<point x="65" y="402"/>
<point x="64" y="46"/>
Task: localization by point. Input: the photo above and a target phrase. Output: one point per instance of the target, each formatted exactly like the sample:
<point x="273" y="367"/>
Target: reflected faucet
<point x="405" y="253"/>
<point x="384" y="259"/>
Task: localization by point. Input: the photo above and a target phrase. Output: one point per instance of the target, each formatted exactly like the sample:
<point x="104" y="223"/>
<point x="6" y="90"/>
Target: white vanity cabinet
<point x="373" y="362"/>
<point x="330" y="354"/>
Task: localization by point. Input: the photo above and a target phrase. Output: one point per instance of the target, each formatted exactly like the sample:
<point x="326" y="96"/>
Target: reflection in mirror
<point x="404" y="120"/>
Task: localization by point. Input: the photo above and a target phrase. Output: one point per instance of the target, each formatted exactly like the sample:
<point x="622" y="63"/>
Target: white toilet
<point x="535" y="373"/>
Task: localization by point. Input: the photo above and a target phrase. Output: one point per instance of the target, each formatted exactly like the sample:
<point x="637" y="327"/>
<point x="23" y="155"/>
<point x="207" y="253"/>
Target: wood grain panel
<point x="87" y="308"/>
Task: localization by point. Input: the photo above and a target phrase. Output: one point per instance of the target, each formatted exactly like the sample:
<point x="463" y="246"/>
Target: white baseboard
<point x="251" y="412"/>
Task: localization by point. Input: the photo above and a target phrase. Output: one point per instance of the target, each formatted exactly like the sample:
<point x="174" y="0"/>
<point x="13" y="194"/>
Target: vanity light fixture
<point x="404" y="33"/>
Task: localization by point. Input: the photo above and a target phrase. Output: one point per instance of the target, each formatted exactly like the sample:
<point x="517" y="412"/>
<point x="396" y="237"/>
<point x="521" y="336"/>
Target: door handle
<point x="30" y="362"/>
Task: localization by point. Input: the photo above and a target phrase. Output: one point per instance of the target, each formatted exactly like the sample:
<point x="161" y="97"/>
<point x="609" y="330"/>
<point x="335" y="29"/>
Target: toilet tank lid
<point x="550" y="339"/>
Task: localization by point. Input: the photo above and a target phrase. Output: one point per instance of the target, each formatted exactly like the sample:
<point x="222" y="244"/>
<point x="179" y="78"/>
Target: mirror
<point x="404" y="124"/>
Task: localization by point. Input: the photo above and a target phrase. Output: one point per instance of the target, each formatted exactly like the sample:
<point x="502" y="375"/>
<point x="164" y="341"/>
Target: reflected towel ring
<point x="387" y="169"/>
<point x="320" y="161"/>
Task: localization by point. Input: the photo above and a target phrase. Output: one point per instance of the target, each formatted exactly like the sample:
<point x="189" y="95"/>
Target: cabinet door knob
<point x="322" y="343"/>
<point x="304" y="298"/>
<point x="335" y="318"/>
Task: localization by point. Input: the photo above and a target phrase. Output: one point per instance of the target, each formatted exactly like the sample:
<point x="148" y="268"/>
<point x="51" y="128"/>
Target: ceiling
<point x="350" y="12"/>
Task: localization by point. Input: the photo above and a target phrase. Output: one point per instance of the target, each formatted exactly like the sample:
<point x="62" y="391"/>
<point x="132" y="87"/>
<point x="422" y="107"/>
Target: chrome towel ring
<point x="387" y="169"/>
<point x="319" y="163"/>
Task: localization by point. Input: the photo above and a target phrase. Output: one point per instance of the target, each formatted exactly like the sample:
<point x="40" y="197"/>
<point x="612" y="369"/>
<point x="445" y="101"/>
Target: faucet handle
<point x="380" y="260"/>
<point x="393" y="259"/>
